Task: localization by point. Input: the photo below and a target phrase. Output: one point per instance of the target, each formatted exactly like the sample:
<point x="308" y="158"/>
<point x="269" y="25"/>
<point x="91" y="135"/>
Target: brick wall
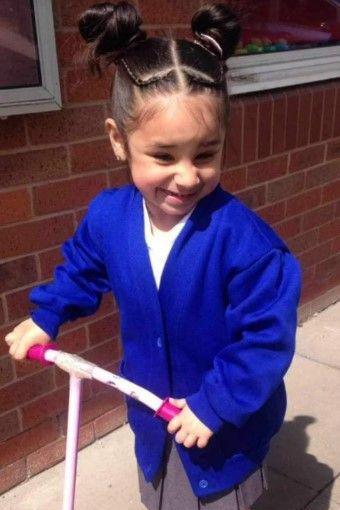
<point x="283" y="161"/>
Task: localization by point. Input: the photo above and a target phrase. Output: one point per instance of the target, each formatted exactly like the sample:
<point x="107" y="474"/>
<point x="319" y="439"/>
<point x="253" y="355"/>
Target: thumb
<point x="178" y="402"/>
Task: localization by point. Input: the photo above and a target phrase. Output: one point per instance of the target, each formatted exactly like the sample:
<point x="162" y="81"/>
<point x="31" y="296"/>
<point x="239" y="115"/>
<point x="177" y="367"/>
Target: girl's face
<point x="175" y="157"/>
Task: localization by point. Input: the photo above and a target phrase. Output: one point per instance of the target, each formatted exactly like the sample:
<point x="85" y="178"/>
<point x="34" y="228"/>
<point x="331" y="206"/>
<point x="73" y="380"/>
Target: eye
<point x="206" y="155"/>
<point x="163" y="157"/>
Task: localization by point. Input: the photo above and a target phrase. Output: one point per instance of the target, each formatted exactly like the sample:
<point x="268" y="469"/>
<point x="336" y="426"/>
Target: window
<point x="29" y="80"/>
<point x="286" y="42"/>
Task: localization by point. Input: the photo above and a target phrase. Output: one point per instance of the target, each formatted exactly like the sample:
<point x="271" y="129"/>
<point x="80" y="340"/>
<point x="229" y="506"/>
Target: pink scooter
<point x="79" y="369"/>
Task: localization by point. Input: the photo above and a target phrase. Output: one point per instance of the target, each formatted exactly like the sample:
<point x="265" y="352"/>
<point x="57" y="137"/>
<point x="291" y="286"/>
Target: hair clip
<point x="213" y="42"/>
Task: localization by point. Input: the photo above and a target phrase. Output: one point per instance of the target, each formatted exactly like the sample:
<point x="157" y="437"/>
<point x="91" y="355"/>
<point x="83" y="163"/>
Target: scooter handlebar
<point x="37" y="353"/>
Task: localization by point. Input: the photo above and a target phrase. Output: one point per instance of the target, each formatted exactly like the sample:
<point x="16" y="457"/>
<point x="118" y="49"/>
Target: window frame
<point x="47" y="96"/>
<point x="266" y="71"/>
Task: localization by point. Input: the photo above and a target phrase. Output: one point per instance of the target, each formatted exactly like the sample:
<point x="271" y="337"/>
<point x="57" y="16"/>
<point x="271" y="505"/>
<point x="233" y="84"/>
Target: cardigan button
<point x="203" y="484"/>
<point x="159" y="342"/>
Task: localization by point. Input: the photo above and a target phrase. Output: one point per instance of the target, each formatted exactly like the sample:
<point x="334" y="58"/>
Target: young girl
<point x="207" y="291"/>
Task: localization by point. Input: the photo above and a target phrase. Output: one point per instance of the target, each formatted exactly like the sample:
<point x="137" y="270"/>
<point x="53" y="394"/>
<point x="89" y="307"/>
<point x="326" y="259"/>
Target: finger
<point x="174" y="425"/>
<point x="190" y="440"/>
<point x="202" y="442"/>
<point x="178" y="402"/>
<point x="9" y="338"/>
<point x="181" y="436"/>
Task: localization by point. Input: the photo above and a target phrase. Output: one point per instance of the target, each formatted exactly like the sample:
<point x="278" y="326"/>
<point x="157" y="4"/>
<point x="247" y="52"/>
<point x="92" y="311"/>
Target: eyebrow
<point x="158" y="145"/>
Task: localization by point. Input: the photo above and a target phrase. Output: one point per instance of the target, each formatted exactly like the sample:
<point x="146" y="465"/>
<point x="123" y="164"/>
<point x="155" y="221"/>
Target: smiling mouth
<point x="179" y="195"/>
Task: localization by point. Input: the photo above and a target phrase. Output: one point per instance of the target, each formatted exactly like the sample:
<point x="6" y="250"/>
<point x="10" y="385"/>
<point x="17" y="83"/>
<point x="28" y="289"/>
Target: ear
<point x="116" y="139"/>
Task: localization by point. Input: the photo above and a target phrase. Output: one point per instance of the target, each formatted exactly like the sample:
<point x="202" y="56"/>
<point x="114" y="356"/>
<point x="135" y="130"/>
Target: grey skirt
<point x="171" y="490"/>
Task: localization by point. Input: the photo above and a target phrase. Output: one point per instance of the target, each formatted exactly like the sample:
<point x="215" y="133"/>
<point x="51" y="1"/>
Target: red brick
<point x="336" y="245"/>
<point x="49" y="260"/>
<point x="54" y="452"/>
<point x="74" y="341"/>
<point x="26" y="367"/>
<point x="110" y="421"/>
<point x="92" y="156"/>
<point x="316" y="255"/>
<point x="12" y="475"/>
<point x="233" y="179"/>
<point x="289" y="228"/>
<point x="331" y="191"/>
<point x="336" y="130"/>
<point x="4" y="330"/>
<point x="328" y="269"/>
<point x="6" y="370"/>
<point x="329" y="230"/>
<point x="266" y="170"/>
<point x="67" y="194"/>
<point x="292" y="119"/>
<point x="12" y="133"/>
<point x="164" y="12"/>
<point x="33" y="166"/>
<point x="19" y="392"/>
<point x="337" y="209"/>
<point x="72" y="9"/>
<point x="46" y="457"/>
<point x="323" y="174"/>
<point x="234" y="140"/>
<point x="9" y="425"/>
<point x="66" y="125"/>
<point x="96" y="406"/>
<point x="17" y="273"/>
<point x="71" y="49"/>
<point x="273" y="213"/>
<point x="333" y="149"/>
<point x="316" y="116"/>
<point x="307" y="157"/>
<point x="285" y="187"/>
<point x="304" y="241"/>
<point x="103" y="354"/>
<point x="82" y="86"/>
<point x="265" y="126"/>
<point x="317" y="217"/>
<point x="104" y="329"/>
<point x="119" y="177"/>
<point x="27" y="442"/>
<point x="303" y="202"/>
<point x="35" y="235"/>
<point x="18" y="303"/>
<point x="15" y="206"/>
<point x="305" y="109"/>
<point x="254" y="197"/>
<point x="250" y="132"/>
<point x="44" y="407"/>
<point x="279" y="122"/>
<point x="328" y="116"/>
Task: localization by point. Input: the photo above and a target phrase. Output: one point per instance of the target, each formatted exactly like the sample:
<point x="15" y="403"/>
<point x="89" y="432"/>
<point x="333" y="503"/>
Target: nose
<point x="186" y="177"/>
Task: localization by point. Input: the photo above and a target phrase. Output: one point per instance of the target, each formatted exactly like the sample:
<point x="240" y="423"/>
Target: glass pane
<point x="281" y="25"/>
<point x="19" y="61"/>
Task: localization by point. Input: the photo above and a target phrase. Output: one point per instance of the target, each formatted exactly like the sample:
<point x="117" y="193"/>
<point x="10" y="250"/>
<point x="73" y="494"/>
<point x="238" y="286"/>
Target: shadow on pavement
<point x="296" y="477"/>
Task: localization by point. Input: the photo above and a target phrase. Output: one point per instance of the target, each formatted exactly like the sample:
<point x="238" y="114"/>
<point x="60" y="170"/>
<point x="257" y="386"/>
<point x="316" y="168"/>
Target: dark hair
<point x="150" y="66"/>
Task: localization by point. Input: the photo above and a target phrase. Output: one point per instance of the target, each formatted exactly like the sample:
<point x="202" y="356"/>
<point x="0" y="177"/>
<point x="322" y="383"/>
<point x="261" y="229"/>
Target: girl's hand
<point x="25" y="335"/>
<point x="190" y="430"/>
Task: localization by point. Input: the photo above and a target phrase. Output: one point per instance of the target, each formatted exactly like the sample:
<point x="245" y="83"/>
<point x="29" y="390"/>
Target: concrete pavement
<point x="304" y="461"/>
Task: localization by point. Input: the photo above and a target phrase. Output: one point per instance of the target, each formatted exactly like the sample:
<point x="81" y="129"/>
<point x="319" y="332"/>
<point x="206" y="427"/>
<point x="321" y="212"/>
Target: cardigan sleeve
<point x="79" y="283"/>
<point x="262" y="317"/>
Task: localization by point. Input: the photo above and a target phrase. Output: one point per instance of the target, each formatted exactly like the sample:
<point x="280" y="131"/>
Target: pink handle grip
<point x="37" y="353"/>
<point x="167" y="411"/>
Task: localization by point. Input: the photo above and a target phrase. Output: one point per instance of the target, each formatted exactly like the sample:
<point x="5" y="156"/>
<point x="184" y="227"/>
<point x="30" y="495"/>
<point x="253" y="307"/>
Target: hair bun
<point x="219" y="22"/>
<point x="110" y="28"/>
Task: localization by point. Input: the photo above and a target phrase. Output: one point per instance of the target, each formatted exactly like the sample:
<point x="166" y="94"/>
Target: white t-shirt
<point x="159" y="243"/>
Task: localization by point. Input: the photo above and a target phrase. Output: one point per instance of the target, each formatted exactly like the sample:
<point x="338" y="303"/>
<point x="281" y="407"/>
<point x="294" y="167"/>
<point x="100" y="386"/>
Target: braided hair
<point x="150" y="66"/>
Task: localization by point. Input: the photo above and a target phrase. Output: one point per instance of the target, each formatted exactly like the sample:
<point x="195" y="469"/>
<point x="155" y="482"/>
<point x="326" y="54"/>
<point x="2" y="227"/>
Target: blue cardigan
<point x="219" y="331"/>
